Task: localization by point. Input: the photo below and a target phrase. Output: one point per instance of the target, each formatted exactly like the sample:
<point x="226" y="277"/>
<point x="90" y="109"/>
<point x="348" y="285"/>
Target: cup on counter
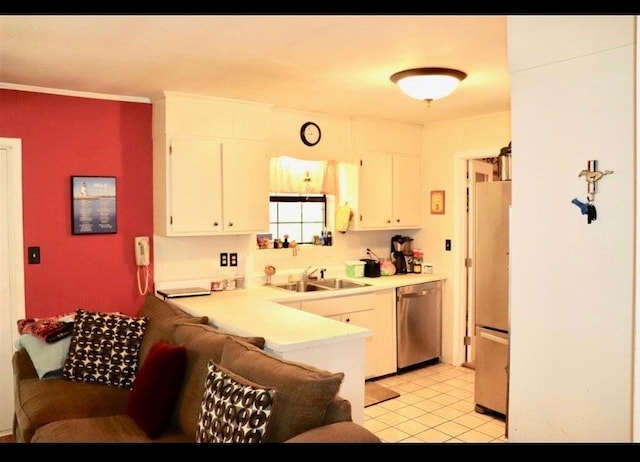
<point x="230" y="284"/>
<point x="427" y="268"/>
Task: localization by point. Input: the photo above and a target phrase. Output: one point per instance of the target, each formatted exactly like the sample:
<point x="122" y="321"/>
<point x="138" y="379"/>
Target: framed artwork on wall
<point x="93" y="205"/>
<point x="437" y="202"/>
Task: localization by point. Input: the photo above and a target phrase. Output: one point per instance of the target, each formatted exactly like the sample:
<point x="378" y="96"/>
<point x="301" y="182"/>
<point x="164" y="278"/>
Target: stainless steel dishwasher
<point x="419" y="323"/>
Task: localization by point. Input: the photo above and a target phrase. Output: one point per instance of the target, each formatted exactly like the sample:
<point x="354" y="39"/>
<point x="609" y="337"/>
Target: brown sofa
<point x="306" y="407"/>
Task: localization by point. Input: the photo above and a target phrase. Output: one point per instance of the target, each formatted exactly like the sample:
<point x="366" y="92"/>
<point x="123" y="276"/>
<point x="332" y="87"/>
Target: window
<point x="299" y="216"/>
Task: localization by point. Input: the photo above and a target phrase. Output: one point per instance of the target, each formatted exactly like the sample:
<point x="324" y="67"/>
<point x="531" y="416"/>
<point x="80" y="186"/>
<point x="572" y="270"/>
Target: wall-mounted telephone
<point x="142" y="251"/>
<point x="142" y="261"/>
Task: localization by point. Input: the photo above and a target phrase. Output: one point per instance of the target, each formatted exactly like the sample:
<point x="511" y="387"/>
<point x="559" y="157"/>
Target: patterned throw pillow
<point x="234" y="410"/>
<point x="104" y="348"/>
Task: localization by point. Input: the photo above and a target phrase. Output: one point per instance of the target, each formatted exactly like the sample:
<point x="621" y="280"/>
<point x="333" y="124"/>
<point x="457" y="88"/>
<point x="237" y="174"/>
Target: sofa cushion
<point x="233" y="410"/>
<point x="203" y="343"/>
<point x="104" y="348"/>
<point x="156" y="387"/>
<point x="304" y="392"/>
<point x="163" y="318"/>
<point x="106" y="429"/>
<point x="39" y="402"/>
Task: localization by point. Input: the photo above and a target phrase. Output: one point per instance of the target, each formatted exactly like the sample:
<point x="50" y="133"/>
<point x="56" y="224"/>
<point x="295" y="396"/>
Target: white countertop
<point x="257" y="311"/>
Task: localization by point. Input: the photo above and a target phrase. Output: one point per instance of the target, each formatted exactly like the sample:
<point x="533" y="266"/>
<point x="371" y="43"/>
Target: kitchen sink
<point x="337" y="283"/>
<point x="300" y="286"/>
<point x="320" y="284"/>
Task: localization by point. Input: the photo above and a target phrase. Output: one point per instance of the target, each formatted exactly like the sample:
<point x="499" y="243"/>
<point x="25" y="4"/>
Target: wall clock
<point x="310" y="133"/>
<point x="437" y="202"/>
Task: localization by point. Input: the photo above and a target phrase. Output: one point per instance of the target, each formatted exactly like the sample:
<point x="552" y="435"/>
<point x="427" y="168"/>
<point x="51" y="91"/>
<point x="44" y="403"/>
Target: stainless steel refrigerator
<point x="491" y="272"/>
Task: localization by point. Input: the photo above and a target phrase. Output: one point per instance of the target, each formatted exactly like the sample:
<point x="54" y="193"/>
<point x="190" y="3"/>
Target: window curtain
<point x="291" y="175"/>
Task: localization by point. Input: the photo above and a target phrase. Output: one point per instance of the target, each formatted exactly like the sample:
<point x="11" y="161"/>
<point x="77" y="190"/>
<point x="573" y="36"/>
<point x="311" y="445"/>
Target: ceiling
<point x="333" y="64"/>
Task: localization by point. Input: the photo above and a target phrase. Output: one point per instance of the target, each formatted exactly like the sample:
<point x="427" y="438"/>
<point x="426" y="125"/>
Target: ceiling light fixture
<point x="428" y="83"/>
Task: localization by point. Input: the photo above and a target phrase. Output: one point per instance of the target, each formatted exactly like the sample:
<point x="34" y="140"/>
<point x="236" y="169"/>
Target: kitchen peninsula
<point x="295" y="334"/>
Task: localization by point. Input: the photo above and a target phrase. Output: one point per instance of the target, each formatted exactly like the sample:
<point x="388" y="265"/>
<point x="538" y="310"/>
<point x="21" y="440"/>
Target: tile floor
<point x="435" y="405"/>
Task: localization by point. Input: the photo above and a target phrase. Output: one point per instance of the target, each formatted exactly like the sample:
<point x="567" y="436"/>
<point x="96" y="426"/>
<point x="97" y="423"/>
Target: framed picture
<point x="437" y="202"/>
<point x="93" y="205"/>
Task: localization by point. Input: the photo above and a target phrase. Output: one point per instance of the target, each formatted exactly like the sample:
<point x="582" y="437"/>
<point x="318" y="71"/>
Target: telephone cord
<point x="146" y="279"/>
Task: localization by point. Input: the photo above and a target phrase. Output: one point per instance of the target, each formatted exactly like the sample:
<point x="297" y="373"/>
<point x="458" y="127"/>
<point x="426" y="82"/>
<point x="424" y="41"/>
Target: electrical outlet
<point x="224" y="259"/>
<point x="233" y="259"/>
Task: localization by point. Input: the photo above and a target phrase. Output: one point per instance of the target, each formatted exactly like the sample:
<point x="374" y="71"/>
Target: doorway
<point x="467" y="168"/>
<point x="477" y="171"/>
<point x="12" y="296"/>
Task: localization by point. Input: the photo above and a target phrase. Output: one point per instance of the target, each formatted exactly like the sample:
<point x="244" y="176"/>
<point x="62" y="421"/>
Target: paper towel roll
<point x="248" y="270"/>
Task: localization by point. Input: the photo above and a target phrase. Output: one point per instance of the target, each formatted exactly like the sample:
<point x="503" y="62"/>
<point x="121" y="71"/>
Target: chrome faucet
<point x="306" y="273"/>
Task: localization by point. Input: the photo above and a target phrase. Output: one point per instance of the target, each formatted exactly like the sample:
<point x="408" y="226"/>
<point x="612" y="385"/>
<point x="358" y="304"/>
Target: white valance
<point x="291" y="175"/>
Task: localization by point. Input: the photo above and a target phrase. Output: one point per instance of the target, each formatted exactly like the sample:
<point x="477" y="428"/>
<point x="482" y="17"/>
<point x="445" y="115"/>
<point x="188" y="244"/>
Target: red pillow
<point x="156" y="387"/>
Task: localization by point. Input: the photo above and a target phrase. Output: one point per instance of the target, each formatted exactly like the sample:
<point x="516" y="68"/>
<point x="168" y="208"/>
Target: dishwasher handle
<point x="420" y="293"/>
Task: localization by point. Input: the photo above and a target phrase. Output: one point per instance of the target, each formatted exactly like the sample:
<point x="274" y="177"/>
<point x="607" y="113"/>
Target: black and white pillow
<point x="233" y="409"/>
<point x="104" y="348"/>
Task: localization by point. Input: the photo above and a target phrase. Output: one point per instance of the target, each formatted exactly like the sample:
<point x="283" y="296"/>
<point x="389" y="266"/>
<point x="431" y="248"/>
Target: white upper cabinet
<point x="194" y="195"/>
<point x="216" y="187"/>
<point x="388" y="175"/>
<point x="211" y="167"/>
<point x="245" y="186"/>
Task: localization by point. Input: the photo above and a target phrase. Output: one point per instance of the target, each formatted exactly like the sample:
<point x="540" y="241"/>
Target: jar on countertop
<point x="417" y="261"/>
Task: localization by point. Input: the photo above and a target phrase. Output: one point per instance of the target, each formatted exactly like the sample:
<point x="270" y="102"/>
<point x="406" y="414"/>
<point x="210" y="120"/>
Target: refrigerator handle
<point x="494" y="338"/>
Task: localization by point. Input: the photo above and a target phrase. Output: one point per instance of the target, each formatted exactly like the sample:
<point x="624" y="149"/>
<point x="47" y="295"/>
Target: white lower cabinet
<point x="374" y="311"/>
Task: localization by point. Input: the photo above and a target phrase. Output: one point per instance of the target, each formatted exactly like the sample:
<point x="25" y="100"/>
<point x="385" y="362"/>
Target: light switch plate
<point x="34" y="255"/>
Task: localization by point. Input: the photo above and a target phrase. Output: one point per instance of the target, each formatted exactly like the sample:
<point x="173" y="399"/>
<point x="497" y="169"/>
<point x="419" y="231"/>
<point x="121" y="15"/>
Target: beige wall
<point x="445" y="144"/>
<point x="572" y="283"/>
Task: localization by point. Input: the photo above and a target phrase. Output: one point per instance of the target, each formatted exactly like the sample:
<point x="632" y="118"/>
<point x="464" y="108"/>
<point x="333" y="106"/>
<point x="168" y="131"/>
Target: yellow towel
<point x="343" y="217"/>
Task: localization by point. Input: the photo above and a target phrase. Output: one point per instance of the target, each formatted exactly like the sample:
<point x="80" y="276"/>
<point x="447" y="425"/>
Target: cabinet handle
<point x="347" y="320"/>
<point x="215" y="223"/>
<point x="230" y="224"/>
<point x="388" y="221"/>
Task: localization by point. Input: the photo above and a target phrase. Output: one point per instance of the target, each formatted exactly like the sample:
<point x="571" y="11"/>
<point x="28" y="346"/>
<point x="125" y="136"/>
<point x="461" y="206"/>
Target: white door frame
<point x="12" y="294"/>
<point x="460" y="233"/>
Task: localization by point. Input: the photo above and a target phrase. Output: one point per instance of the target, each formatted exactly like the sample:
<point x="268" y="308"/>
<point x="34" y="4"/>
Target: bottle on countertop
<point x="417" y="261"/>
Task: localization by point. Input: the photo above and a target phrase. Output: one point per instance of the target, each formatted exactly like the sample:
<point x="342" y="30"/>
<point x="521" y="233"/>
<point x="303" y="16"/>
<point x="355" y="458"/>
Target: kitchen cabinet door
<point x="195" y="182"/>
<point x="376" y="190"/>
<point x="390" y="195"/>
<point x="211" y="187"/>
<point x="407" y="191"/>
<point x="374" y="311"/>
<point x="245" y="186"/>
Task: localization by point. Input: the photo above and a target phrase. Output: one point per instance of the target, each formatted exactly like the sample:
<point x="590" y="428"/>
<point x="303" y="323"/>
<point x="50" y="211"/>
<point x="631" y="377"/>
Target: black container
<point x="371" y="268"/>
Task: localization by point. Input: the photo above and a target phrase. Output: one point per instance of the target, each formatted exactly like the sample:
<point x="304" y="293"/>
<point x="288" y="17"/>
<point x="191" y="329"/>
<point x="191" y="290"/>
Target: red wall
<point x="65" y="136"/>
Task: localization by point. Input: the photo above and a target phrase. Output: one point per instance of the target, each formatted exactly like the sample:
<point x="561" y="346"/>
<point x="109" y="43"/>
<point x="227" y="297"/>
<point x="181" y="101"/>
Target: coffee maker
<point x="401" y="253"/>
